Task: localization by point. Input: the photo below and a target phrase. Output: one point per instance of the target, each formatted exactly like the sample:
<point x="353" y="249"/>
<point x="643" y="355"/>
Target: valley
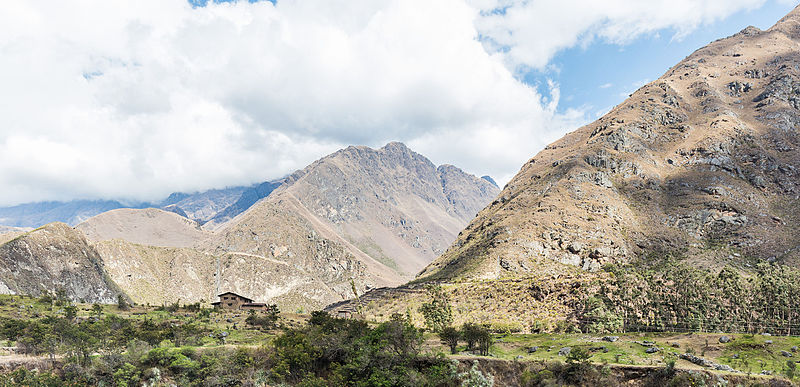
<point x="657" y="245"/>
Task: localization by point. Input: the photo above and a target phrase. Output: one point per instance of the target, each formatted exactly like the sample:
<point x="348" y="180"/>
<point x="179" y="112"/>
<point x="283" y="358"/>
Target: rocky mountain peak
<point x="789" y="24"/>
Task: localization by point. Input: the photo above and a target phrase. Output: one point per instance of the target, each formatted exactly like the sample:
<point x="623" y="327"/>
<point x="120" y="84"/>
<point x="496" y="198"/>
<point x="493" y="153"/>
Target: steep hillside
<point x="699" y="162"/>
<point x="52" y="257"/>
<point x="277" y="257"/>
<point x="149" y="226"/>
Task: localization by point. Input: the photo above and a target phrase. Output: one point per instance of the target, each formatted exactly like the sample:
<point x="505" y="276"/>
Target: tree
<point x="437" y="311"/>
<point x="450" y="337"/>
<point x="61" y="297"/>
<point x="122" y="303"/>
<point x="485" y="341"/>
<point x="70" y="312"/>
<point x="97" y="309"/>
<point x="273" y="312"/>
<point x="471" y="332"/>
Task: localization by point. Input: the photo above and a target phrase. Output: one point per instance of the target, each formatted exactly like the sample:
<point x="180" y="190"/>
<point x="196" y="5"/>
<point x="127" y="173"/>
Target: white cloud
<point x="135" y="99"/>
<point x="530" y="33"/>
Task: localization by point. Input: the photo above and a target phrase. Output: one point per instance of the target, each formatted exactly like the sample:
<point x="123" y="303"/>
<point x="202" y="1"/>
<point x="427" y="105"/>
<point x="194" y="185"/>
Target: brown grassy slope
<point x="148" y="226"/>
<point x="707" y="155"/>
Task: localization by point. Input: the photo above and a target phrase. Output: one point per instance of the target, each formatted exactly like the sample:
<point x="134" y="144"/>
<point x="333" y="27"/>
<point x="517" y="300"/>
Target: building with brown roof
<point x="233" y="301"/>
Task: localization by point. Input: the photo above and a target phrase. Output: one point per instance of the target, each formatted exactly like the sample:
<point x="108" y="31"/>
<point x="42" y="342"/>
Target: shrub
<point x="126" y="376"/>
<point x="475" y="378"/>
<point x="505" y="327"/>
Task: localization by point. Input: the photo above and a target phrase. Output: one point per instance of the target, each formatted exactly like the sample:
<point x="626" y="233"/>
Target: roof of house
<point x="234" y="294"/>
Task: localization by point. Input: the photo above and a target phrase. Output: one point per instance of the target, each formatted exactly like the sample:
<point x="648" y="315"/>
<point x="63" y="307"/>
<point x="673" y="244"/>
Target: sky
<point x="132" y="100"/>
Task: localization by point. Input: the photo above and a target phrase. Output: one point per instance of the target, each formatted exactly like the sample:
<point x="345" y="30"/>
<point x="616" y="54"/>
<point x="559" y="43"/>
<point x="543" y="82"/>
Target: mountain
<point x="698" y="170"/>
<point x="706" y="154"/>
<point x="354" y="220"/>
<point x="246" y="199"/>
<point x="217" y="204"/>
<point x="490" y="180"/>
<point x="41" y="213"/>
<point x="53" y="257"/>
<point x="390" y="204"/>
<point x="202" y="206"/>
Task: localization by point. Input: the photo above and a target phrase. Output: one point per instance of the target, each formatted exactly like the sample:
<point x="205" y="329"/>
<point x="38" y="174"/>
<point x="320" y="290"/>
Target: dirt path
<point x="258" y="256"/>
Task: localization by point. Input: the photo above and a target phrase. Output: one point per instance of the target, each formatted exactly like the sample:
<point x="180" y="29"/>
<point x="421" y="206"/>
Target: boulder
<point x="564" y="351"/>
<point x="651" y="350"/>
<point x="724" y="339"/>
<point x="723" y="367"/>
<point x="533" y="349"/>
<point x="786" y="354"/>
<point x="610" y="339"/>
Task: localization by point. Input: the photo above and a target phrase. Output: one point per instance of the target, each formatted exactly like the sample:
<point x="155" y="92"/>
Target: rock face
<point x="701" y="161"/>
<point x="52" y="257"/>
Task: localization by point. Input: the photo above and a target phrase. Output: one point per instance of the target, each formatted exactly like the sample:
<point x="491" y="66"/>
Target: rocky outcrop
<point x="55" y="257"/>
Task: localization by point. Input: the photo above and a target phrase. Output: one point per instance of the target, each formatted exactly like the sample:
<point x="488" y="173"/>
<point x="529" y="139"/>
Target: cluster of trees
<point x="333" y="351"/>
<point x="439" y="318"/>
<point x="670" y="295"/>
<point x="477" y="338"/>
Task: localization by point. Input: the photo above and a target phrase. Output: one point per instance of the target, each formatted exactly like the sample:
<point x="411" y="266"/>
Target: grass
<point x="754" y="356"/>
